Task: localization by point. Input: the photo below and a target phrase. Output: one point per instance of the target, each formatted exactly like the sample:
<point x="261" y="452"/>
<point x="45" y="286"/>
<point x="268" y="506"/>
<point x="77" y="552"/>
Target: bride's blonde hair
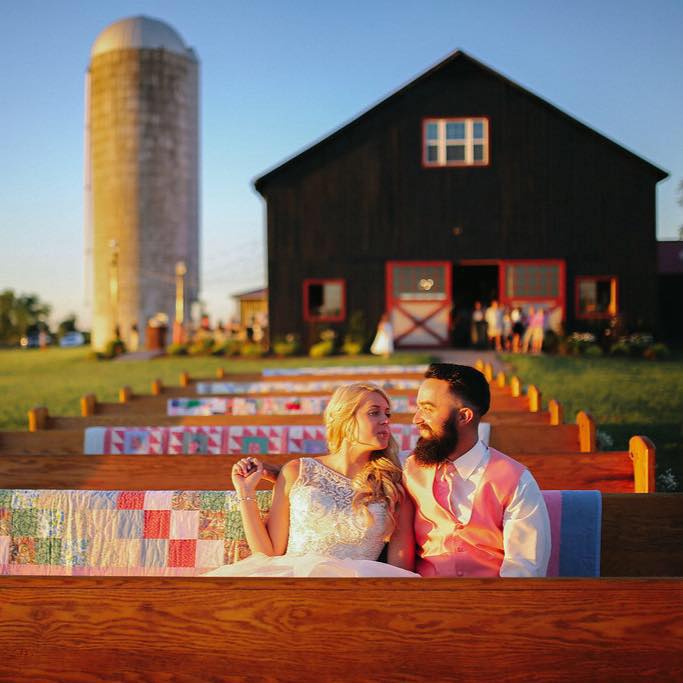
<point x="380" y="479"/>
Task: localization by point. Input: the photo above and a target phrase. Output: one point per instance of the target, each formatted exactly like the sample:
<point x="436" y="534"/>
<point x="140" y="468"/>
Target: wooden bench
<point x="613" y="472"/>
<point x="137" y="628"/>
<point x="187" y="532"/>
<point x="509" y="438"/>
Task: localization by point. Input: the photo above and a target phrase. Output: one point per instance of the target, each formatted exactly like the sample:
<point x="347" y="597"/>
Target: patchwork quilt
<point x="181" y="533"/>
<point x="271" y="405"/>
<point x="228" y="440"/>
<point x="345" y="370"/>
<point x="111" y="533"/>
<point x="237" y="388"/>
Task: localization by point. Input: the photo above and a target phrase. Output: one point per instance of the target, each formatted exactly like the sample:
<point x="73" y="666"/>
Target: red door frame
<point x="447" y="302"/>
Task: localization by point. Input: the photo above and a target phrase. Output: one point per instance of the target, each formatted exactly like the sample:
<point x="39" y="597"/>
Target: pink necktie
<point x="444" y="486"/>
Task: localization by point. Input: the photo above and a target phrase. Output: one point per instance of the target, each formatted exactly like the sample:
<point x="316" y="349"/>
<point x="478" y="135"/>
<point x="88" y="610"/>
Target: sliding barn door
<point x="419" y="302"/>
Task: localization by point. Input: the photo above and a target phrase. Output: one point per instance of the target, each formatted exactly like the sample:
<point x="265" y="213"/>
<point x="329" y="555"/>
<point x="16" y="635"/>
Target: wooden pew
<point x="139" y="419"/>
<point x="139" y="628"/>
<point x="509" y="438"/>
<point x="90" y="406"/>
<point x="613" y="472"/>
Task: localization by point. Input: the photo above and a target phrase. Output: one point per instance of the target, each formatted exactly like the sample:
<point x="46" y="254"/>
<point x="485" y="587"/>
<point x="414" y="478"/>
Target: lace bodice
<point x="322" y="521"/>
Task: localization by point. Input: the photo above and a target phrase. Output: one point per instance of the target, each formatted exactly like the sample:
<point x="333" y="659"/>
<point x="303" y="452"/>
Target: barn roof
<point x="260" y="182"/>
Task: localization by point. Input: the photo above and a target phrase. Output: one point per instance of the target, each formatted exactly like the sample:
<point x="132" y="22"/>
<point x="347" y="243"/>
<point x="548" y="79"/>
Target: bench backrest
<point x="612" y="472"/>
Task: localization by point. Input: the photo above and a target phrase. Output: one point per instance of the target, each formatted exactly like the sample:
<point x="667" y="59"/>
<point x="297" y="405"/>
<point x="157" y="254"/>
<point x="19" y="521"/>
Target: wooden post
<point x="534" y="396"/>
<point x="501" y="379"/>
<point x="88" y="405"/>
<point x="587" y="442"/>
<point x="157" y="387"/>
<point x="556" y="412"/>
<point x="642" y="452"/>
<point x="37" y="418"/>
<point x="184" y="379"/>
<point x="220" y="373"/>
<point x="479" y="365"/>
<point x="515" y="386"/>
<point x="125" y="394"/>
<point x="488" y="372"/>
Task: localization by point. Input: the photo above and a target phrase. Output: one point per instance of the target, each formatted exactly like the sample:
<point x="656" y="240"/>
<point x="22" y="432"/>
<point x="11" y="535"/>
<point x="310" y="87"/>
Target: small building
<point x="670" y="268"/>
<point x="461" y="186"/>
<point x="253" y="306"/>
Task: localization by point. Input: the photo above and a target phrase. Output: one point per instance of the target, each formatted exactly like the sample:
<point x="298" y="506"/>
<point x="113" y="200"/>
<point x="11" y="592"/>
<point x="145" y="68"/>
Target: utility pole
<point x="178" y="328"/>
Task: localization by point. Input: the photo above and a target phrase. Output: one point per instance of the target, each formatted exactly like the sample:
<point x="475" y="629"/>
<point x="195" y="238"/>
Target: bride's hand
<point x="246" y="474"/>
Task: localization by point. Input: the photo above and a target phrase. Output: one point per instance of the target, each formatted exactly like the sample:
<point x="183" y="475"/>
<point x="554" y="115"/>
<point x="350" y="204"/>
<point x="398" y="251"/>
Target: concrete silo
<point x="142" y="176"/>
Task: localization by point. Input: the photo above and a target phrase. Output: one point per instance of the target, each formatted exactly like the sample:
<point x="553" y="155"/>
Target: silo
<point x="142" y="176"/>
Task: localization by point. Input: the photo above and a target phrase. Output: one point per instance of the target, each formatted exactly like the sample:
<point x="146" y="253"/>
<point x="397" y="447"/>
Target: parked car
<point x="72" y="339"/>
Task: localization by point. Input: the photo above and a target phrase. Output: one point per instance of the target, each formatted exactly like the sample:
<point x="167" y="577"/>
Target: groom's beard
<point x="435" y="449"/>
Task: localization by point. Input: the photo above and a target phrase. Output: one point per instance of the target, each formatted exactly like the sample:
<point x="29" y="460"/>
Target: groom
<point x="478" y="513"/>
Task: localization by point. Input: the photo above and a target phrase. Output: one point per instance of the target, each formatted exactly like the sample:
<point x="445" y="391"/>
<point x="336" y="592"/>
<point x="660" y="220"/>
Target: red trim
<point x="323" y="281"/>
<point x="447" y="301"/>
<point x="559" y="301"/>
<point x="596" y="278"/>
<point x="457" y="164"/>
<point x="479" y="262"/>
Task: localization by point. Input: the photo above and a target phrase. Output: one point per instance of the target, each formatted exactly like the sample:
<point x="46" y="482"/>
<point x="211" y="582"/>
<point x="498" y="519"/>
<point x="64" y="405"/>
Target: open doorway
<point x="475" y="282"/>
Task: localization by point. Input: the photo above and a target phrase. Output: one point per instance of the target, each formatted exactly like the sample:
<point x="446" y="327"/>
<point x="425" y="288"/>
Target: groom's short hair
<point x="466" y="383"/>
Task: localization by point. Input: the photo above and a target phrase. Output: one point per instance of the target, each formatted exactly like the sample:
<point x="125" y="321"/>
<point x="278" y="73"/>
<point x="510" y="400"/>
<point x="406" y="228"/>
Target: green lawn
<point x="625" y="396"/>
<point x="57" y="378"/>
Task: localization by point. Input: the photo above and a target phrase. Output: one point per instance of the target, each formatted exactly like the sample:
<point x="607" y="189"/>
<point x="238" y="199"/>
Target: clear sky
<point x="276" y="76"/>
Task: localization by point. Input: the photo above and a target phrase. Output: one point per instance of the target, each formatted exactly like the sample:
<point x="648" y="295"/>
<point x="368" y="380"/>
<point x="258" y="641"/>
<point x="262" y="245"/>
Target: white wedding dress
<point x="326" y="537"/>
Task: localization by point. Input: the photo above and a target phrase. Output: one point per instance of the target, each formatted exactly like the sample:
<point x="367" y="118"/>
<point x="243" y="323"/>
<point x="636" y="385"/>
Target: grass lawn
<point x="625" y="396"/>
<point x="57" y="378"/>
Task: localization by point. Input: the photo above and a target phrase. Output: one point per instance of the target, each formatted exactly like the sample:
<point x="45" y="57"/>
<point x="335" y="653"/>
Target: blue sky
<point x="275" y="76"/>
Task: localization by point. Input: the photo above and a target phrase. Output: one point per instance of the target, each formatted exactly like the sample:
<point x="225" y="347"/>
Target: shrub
<point x="322" y="349"/>
<point x="177" y="350"/>
<point x="621" y="348"/>
<point x="115" y="347"/>
<point x="352" y="348"/>
<point x="656" y="352"/>
<point x="578" y="342"/>
<point x="551" y="342"/>
<point x="201" y="347"/>
<point x="230" y="347"/>
<point x="592" y="350"/>
<point x="287" y="345"/>
<point x="356" y="336"/>
<point x="251" y="350"/>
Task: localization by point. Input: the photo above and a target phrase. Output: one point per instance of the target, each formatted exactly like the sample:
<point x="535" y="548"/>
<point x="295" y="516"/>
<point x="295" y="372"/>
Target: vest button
<point x="460" y="573"/>
<point x="460" y="549"/>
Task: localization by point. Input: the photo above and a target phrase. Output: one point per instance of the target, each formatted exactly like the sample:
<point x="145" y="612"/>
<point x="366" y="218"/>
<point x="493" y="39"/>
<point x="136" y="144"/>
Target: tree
<point x="67" y="325"/>
<point x="20" y="315"/>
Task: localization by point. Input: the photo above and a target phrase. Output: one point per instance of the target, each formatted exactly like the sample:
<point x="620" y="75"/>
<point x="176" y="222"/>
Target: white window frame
<point x="468" y="141"/>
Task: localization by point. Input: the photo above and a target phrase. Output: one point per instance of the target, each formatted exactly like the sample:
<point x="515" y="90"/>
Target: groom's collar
<point x="468" y="462"/>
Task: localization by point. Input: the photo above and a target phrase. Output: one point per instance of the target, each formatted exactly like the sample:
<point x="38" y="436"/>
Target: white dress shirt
<point x="526" y="527"/>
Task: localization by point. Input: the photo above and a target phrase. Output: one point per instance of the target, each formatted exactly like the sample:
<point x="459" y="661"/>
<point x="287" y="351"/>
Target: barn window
<point x="324" y="300"/>
<point x="533" y="280"/>
<point x="455" y="142"/>
<point x="596" y="296"/>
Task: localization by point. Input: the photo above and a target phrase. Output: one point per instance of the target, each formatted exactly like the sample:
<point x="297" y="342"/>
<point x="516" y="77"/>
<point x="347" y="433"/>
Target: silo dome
<point x="139" y="33"/>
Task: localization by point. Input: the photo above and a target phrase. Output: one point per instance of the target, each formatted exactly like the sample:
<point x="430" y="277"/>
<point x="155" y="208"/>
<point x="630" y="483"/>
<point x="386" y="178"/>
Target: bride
<point x="331" y="515"/>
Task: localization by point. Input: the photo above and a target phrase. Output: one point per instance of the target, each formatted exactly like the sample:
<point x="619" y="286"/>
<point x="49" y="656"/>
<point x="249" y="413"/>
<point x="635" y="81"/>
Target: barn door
<point x="419" y="302"/>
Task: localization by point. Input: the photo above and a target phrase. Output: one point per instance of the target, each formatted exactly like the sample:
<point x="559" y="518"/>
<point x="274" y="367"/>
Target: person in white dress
<point x="331" y="515"/>
<point x="383" y="344"/>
